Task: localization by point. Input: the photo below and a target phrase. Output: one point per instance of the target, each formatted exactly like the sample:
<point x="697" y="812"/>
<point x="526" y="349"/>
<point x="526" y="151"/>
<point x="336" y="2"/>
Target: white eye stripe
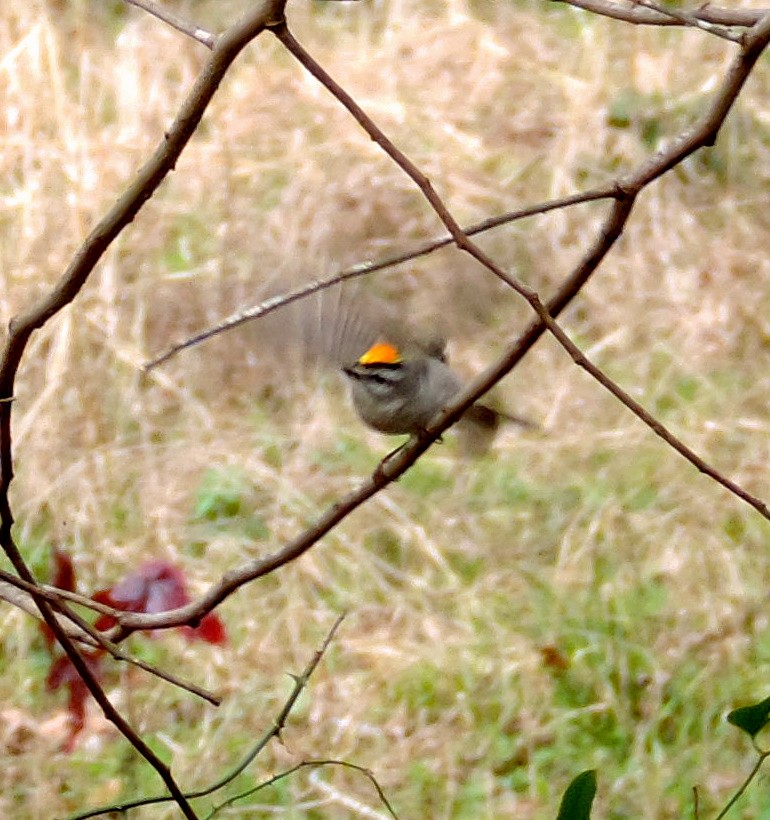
<point x="374" y="374"/>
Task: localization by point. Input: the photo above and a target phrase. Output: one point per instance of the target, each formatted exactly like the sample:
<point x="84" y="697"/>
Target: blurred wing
<point x="340" y="324"/>
<point x="336" y="326"/>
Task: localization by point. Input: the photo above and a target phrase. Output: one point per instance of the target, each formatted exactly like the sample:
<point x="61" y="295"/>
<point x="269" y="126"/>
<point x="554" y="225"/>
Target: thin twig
<point x="688" y="19"/>
<point x="703" y="133"/>
<point x="742" y="788"/>
<point x="306" y="764"/>
<point x="120" y="655"/>
<point x="81" y="600"/>
<point x="300" y="682"/>
<point x="639" y="15"/>
<point x="276" y="302"/>
<point x="84" y="671"/>
<point x="695" y="803"/>
<point x="624" y="397"/>
<point x="86" y="633"/>
<point x="56" y="596"/>
<point x="177" y="22"/>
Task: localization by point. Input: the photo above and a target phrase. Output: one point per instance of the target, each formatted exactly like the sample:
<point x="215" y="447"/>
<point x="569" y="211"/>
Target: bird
<point x="398" y="372"/>
<point x="400" y="394"/>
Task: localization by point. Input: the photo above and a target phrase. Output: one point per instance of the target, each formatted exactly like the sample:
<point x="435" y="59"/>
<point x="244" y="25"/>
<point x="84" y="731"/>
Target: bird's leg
<point x="380" y="472"/>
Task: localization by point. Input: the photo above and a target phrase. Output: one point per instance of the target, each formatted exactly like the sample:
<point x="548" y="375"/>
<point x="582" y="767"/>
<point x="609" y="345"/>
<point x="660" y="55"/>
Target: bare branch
<point x="100" y="640"/>
<point x="687" y="19"/>
<point x="648" y="15"/>
<point x="51" y="594"/>
<point x="704" y="134"/>
<point x="308" y="764"/>
<point x="20" y="593"/>
<point x="623" y="194"/>
<point x="175" y="21"/>
<point x="14" y="594"/>
<point x="744" y="785"/>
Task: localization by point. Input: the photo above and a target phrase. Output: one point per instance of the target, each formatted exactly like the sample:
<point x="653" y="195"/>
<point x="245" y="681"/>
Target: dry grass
<point x="590" y="543"/>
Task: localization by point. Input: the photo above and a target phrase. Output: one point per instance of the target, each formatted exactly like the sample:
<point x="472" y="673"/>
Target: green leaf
<point x="752" y="719"/>
<point x="576" y="803"/>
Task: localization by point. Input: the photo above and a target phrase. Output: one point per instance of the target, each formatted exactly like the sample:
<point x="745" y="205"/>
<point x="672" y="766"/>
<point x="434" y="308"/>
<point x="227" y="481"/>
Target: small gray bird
<point x="398" y="395"/>
<point x="399" y="380"/>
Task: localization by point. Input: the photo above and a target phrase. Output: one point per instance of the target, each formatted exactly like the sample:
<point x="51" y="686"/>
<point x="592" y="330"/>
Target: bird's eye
<point x="378" y="379"/>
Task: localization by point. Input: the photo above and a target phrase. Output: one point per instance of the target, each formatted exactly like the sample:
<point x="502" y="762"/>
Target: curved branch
<point x="20" y="593"/>
<point x="703" y="133"/>
<point x="393" y="467"/>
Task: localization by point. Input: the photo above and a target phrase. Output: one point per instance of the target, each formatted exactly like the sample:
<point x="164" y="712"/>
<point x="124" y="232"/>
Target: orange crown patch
<point x="381" y="353"/>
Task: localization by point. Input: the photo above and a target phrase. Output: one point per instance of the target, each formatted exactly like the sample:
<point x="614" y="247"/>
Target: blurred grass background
<point x="580" y="597"/>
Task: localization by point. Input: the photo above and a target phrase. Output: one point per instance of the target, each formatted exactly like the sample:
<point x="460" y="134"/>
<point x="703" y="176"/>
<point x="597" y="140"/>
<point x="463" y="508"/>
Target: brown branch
<point x="177" y="22"/>
<point x="46" y="610"/>
<point x="688" y="19"/>
<point x="582" y="361"/>
<point x="12" y="591"/>
<point x="51" y="594"/>
<point x="169" y="677"/>
<point x="119" y="655"/>
<point x="75" y="598"/>
<point x="393" y="467"/>
<point x="23" y="325"/>
<point x="641" y="15"/>
<point x="92" y="249"/>
<point x="110" y="712"/>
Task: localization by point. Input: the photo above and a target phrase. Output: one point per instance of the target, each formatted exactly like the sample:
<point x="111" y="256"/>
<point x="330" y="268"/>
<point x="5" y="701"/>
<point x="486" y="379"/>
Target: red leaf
<point x="63" y="673"/>
<point x="167" y="588"/>
<point x="130" y="594"/>
<point x="64" y="571"/>
<point x="554" y="658"/>
<point x="210" y="629"/>
<point x="104" y="622"/>
<point x="59" y="673"/>
<point x="63" y="578"/>
<point x="48" y="635"/>
<point x="77" y="710"/>
<point x="157" y="586"/>
<point x="103" y="596"/>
